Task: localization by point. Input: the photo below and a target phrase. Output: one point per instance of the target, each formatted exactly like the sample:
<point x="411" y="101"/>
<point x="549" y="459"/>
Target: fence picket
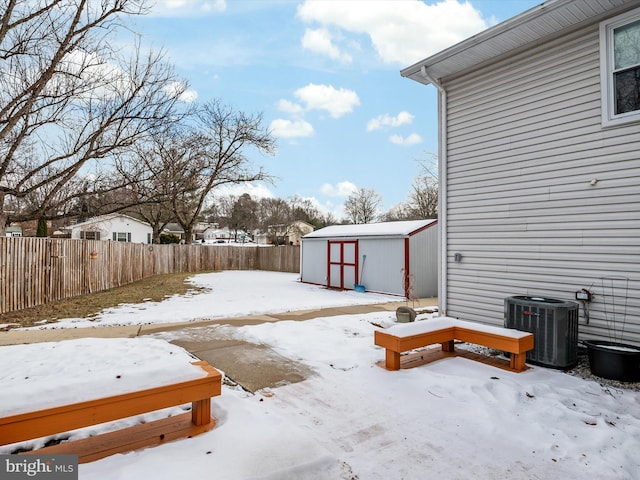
<point x="36" y="271"/>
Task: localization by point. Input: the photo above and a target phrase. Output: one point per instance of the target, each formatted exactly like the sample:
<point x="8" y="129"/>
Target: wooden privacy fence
<point x="35" y="271"/>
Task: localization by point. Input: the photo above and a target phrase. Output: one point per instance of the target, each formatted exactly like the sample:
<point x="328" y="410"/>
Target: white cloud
<point x="403" y="31"/>
<point x="291" y="128"/>
<point x="187" y="8"/>
<point x="290" y="107"/>
<point x="412" y="139"/>
<point x="329" y="207"/>
<point x="320" y="41"/>
<point x="342" y="189"/>
<point x="189" y="96"/>
<point x="386" y="120"/>
<point x="184" y="94"/>
<point x="90" y="67"/>
<point x="337" y="102"/>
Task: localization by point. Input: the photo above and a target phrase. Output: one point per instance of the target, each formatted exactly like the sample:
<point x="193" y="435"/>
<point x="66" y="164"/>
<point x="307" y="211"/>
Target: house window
<point x="620" y="68"/>
<point x="121" y="236"/>
<point x="149" y="238"/>
<point x="89" y="235"/>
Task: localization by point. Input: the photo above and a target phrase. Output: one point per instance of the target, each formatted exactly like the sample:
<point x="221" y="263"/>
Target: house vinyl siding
<point x="524" y="142"/>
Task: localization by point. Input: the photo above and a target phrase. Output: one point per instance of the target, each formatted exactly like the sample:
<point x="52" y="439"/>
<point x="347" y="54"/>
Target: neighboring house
<point x="261" y="238"/>
<point x="215" y="234"/>
<point x="399" y="258"/>
<point x="197" y="233"/>
<point x="116" y="227"/>
<point x="224" y="235"/>
<point x="174" y="229"/>
<point x="297" y="230"/>
<point x="284" y="234"/>
<point x="28" y="228"/>
<point x="13" y="232"/>
<point x="539" y="154"/>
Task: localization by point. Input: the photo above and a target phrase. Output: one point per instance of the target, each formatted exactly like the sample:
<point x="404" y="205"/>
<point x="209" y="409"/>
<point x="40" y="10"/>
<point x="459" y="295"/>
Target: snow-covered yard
<point x="451" y="419"/>
<point x="227" y="294"/>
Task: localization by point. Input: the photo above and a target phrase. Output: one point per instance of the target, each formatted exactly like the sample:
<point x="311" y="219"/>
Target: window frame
<point x="89" y="235"/>
<point x="127" y="236"/>
<point x="607" y="83"/>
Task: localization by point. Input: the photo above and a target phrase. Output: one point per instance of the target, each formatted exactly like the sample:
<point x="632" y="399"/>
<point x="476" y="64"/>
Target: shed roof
<point x="384" y="229"/>
<point x="545" y="20"/>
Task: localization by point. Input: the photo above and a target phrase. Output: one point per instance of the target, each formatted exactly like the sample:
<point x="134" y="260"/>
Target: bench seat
<point x="445" y="330"/>
<point x="64" y="418"/>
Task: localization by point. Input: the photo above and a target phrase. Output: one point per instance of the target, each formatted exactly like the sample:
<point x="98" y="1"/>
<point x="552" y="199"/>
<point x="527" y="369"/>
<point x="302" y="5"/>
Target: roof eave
<point x="452" y="61"/>
<point x="492" y="32"/>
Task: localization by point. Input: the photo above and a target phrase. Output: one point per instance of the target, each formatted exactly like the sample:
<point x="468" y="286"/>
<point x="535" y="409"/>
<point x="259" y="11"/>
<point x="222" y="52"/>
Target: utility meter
<point x="583" y="295"/>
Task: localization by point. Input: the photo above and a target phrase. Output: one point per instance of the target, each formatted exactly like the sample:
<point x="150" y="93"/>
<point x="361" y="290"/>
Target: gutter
<point x="442" y="189"/>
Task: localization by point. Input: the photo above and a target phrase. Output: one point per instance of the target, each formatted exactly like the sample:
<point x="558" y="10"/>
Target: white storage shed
<point x="399" y="258"/>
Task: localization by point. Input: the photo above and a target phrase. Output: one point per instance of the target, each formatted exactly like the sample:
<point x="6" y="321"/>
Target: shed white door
<point x="343" y="264"/>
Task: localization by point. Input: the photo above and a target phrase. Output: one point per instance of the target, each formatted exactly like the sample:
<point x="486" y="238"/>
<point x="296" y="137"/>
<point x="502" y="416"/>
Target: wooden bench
<point x="51" y="421"/>
<point x="409" y="336"/>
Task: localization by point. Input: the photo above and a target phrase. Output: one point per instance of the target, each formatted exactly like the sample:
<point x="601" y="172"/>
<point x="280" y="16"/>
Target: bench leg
<point x="518" y="361"/>
<point x="392" y="360"/>
<point x="201" y="412"/>
<point x="448" y="346"/>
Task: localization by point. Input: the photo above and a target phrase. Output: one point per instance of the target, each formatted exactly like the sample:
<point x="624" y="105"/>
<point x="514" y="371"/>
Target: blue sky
<point x="326" y="77"/>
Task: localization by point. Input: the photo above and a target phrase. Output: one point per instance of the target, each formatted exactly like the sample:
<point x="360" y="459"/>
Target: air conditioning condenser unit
<point x="554" y="324"/>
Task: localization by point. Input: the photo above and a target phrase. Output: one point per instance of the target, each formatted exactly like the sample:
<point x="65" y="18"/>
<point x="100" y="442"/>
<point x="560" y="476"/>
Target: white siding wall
<point x="384" y="264"/>
<point x="524" y="142"/>
<point x="313" y="263"/>
<point x="423" y="255"/>
<point x="139" y="231"/>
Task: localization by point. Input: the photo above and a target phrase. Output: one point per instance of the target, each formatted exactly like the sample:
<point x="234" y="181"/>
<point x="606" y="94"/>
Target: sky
<point x="325" y="75"/>
<point x="454" y="418"/>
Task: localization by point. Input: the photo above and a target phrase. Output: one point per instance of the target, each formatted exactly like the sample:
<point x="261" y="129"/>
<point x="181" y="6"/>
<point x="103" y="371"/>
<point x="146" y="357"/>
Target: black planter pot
<point x="615" y="361"/>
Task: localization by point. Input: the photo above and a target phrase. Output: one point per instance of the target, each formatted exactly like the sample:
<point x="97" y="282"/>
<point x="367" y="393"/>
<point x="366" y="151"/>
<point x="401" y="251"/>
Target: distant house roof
<point x="105" y="218"/>
<point x="173" y="228"/>
<point x="300" y="225"/>
<point x="387" y="229"/>
<point x="302" y="222"/>
<point x="547" y="19"/>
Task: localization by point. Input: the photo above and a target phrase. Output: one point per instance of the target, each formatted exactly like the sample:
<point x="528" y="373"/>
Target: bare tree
<point x="243" y="215"/>
<point x="401" y="211"/>
<point x="153" y="174"/>
<point x="362" y="205"/>
<point x="219" y="144"/>
<point x="423" y="199"/>
<point x="69" y="101"/>
<point x="304" y="209"/>
<point x="220" y="210"/>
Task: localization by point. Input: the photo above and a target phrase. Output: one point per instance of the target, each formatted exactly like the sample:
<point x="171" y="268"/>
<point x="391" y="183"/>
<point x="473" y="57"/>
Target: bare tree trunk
<point x="3" y="216"/>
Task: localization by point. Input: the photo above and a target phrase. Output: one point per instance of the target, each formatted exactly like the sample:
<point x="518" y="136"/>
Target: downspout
<point x="442" y="190"/>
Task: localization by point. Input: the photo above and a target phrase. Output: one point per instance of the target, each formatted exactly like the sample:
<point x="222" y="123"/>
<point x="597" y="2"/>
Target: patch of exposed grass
<point x="86" y="306"/>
